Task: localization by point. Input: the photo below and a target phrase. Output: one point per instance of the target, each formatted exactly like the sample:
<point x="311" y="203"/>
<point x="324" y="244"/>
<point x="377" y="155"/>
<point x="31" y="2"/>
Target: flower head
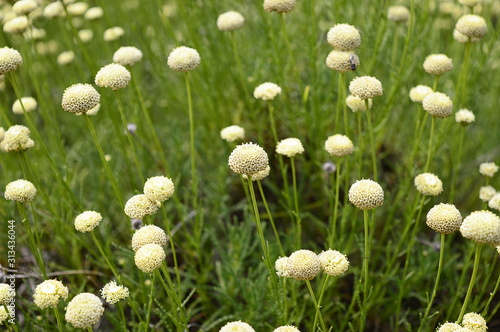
<point x="482" y="227"/>
<point x="418" y="93"/>
<point x="461" y="38"/>
<point x="127" y="55"/>
<point x="437" y="64"/>
<point x="472" y="26"/>
<point x="53" y="9"/>
<point x="113" y="33"/>
<point x="24" y="7"/>
<point x="17" y="138"/>
<point x="48" y="293"/>
<point x="290" y="147"/>
<point x="398" y="14"/>
<point x="84" y="310"/>
<point x="281" y="267"/>
<point x="428" y="184"/>
<point x="65" y="58"/>
<point x="238" y="326"/>
<point x="230" y="21"/>
<point x="333" y="262"/>
<point x="344" y="37"/>
<point x="87" y="221"/>
<point x="10" y="59"/>
<point x="159" y="188"/>
<point x="20" y="191"/>
<point x="184" y="59"/>
<point x="6" y="294"/>
<point x="149" y="257"/>
<point x="77" y="8"/>
<point x="488" y="169"/>
<point x="94" y="13"/>
<point x="232" y="133"/>
<point x="18" y="24"/>
<point x="267" y="91"/>
<point x="342" y="61"/>
<point x="139" y="206"/>
<point x="112" y="293"/>
<point x="287" y="328"/>
<point x="474" y="322"/>
<point x="339" y="145"/>
<point x="113" y="76"/>
<point x="303" y="265"/>
<point x="259" y="176"/>
<point x="279" y="6"/>
<point x="357" y="104"/>
<point x="80" y="98"/>
<point x="494" y="202"/>
<point x="438" y="104"/>
<point x="366" y="194"/>
<point x="464" y="117"/>
<point x="486" y="193"/>
<point x="148" y="234"/>
<point x="365" y="87"/>
<point x="248" y="159"/>
<point x="4" y="314"/>
<point x="449" y="327"/>
<point x="444" y="218"/>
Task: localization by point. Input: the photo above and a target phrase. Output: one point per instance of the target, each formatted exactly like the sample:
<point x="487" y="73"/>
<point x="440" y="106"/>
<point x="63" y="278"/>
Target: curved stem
<point x="273" y="124"/>
<point x="271" y="219"/>
<point x="318" y="307"/>
<point x="456" y="169"/>
<point x="122" y="316"/>
<point x="492" y="295"/>
<point x="372" y="141"/>
<point x="172" y="247"/>
<point x="471" y="283"/>
<point x="194" y="178"/>
<point x="296" y="203"/>
<point x="334" y="213"/>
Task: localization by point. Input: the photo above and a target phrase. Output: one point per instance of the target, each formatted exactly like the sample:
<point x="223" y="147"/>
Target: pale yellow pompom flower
<point x="470" y="3"/>
<point x="48" y="294"/>
<point x="93" y="13"/>
<point x="287" y="328"/>
<point x="20" y="191"/>
<point x="438" y="104"/>
<point x="114" y="76"/>
<point x="127" y="55"/>
<point x="344" y="37"/>
<point x="444" y="218"/>
<point x="333" y="262"/>
<point x="494" y="202"/>
<point x="87" y="221"/>
<point x="139" y="206"/>
<point x="303" y="265"/>
<point x="248" y="159"/>
<point x="474" y="322"/>
<point x="24" y="7"/>
<point x="53" y="9"/>
<point x="449" y="327"/>
<point x="279" y="6"/>
<point x="238" y="326"/>
<point x="16" y="25"/>
<point x="281" y="267"/>
<point x="461" y="38"/>
<point x="339" y="145"/>
<point x="438" y="64"/>
<point x="342" y="61"/>
<point x="113" y="33"/>
<point x="10" y="59"/>
<point x="159" y="188"/>
<point x="488" y="169"/>
<point x="17" y="138"/>
<point x="290" y="147"/>
<point x="365" y="87"/>
<point x="149" y="257"/>
<point x="184" y="59"/>
<point x="112" y="292"/>
<point x="86" y="35"/>
<point x="482" y="227"/>
<point x="4" y="314"/>
<point x="464" y="117"/>
<point x="29" y="104"/>
<point x="357" y="104"/>
<point x="419" y="92"/>
<point x="84" y="311"/>
<point x="230" y="21"/>
<point x="259" y="176"/>
<point x="77" y="8"/>
<point x="366" y="194"/>
<point x="267" y="91"/>
<point x="486" y="193"/>
<point x="7" y="294"/>
<point x="398" y="14"/>
<point x="80" y="98"/>
<point x="148" y="234"/>
<point x="428" y="184"/>
<point x="65" y="58"/>
<point x="472" y="26"/>
<point x="232" y="133"/>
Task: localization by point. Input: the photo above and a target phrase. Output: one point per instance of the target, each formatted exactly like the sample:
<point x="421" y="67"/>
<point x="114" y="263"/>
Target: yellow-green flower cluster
<point x="10" y="59"/>
<point x="6" y="294"/>
<point x="464" y="117"/>
<point x="84" y="311"/>
<point x="20" y="191"/>
<point x="444" y="218"/>
<point x="259" y="176"/>
<point x="438" y="64"/>
<point x="365" y="87"/>
<point x="17" y="138"/>
<point x="148" y="234"/>
<point x="303" y="265"/>
<point x="482" y="227"/>
<point x="266" y="91"/>
<point x="112" y="292"/>
<point x="366" y="194"/>
<point x="472" y="26"/>
<point x="87" y="221"/>
<point x="159" y="189"/>
<point x="342" y="61"/>
<point x="344" y="37"/>
<point x="488" y="169"/>
<point x="184" y="59"/>
<point x="139" y="206"/>
<point x="486" y="193"/>
<point x="113" y="76"/>
<point x="279" y="6"/>
<point x="287" y="328"/>
<point x="248" y="159"/>
<point x="290" y="147"/>
<point x="339" y="145"/>
<point x="149" y="257"/>
<point x="333" y="262"/>
<point x="80" y="98"/>
<point x="428" y="184"/>
<point x="438" y="104"/>
<point x="232" y="133"/>
<point x="49" y="293"/>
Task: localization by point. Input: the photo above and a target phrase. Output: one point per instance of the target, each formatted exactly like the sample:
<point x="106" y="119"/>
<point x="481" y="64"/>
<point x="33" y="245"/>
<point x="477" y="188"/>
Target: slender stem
<point x="434" y="291"/>
<point x="296" y="202"/>
<point x="271" y="219"/>
<point x="318" y="308"/>
<point x="194" y="178"/>
<point x="289" y="47"/>
<point x="492" y="295"/>
<point x="177" y="300"/>
<point x="103" y="254"/>
<point x="471" y="283"/>
<point x="273" y="124"/>
<point x="334" y="213"/>
<point x="318" y="312"/>
<point x="365" y="269"/>
<point x="456" y="169"/>
<point x="429" y="150"/>
<point x="150" y="300"/>
<point x="341" y="104"/>
<point x="122" y="316"/>
<point x="172" y="247"/>
<point x="89" y="329"/>
<point x="33" y="238"/>
<point x="372" y="141"/>
<point x="58" y="319"/>
<point x="435" y="84"/>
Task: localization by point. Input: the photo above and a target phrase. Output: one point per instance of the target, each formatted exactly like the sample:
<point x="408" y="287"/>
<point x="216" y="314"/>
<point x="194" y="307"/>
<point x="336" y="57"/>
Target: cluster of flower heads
<point x="157" y="190"/>
<point x="488" y="193"/>
<point x="239" y="326"/>
<point x="16" y="138"/>
<point x="305" y="265"/>
<point x="345" y="39"/>
<point x="472" y="322"/>
<point x="248" y="159"/>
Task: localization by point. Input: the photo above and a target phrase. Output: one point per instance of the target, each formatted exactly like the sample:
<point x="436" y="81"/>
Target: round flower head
<point x="80" y="98"/>
<point x="444" y="218"/>
<point x="184" y="59"/>
<point x="357" y="104"/>
<point x="113" y="76"/>
<point x="398" y="14"/>
<point x="303" y="265"/>
<point x="6" y="294"/>
<point x="267" y="91"/>
<point x="139" y="206"/>
<point x="248" y="159"/>
<point x="4" y="314"/>
<point x="84" y="311"/>
<point x="486" y="193"/>
<point x="113" y="33"/>
<point x="342" y="61"/>
<point x="344" y="37"/>
<point x="86" y="35"/>
<point x="65" y="58"/>
<point x="464" y="117"/>
<point x="287" y="328"/>
<point x="482" y="227"/>
<point x="24" y="7"/>
<point x="474" y="322"/>
<point x="281" y="266"/>
<point x="230" y="21"/>
<point x="472" y="26"/>
<point x="289" y="147"/>
<point x="93" y="13"/>
<point x="87" y="221"/>
<point x="366" y="194"/>
<point x="259" y="176"/>
<point x="77" y="8"/>
<point x="418" y="93"/>
<point x="10" y="59"/>
<point x="279" y="6"/>
<point x="365" y="87"/>
<point x="29" y="104"/>
<point x="238" y="326"/>
<point x="16" y="25"/>
<point x="53" y="9"/>
<point x="494" y="202"/>
<point x="149" y="257"/>
<point x="232" y="133"/>
<point x="48" y="293"/>
<point x="159" y="188"/>
<point x="20" y="191"/>
<point x="112" y="293"/>
<point x="148" y="234"/>
<point x="17" y="138"/>
<point x="449" y="327"/>
<point x="437" y="64"/>
<point x="428" y="184"/>
<point x="461" y="38"/>
<point x="438" y="104"/>
<point x="333" y="262"/>
<point x="339" y="145"/>
<point x="93" y="111"/>
<point x="127" y="55"/>
<point x="488" y="169"/>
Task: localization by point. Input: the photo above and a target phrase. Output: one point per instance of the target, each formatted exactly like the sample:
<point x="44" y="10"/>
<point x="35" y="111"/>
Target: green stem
<point x="334" y="213"/>
<point x="429" y="150"/>
<point x="180" y="307"/>
<point x="372" y="141"/>
<point x="435" y="84"/>
<point x="365" y="270"/>
<point x="492" y="295"/>
<point x="273" y="124"/>
<point x="103" y="254"/>
<point x="150" y="300"/>
<point x="33" y="238"/>
<point x="58" y="319"/>
<point x="471" y="283"/>
<point x="289" y="47"/>
<point x="271" y="219"/>
<point x="122" y="316"/>
<point x="296" y="203"/>
<point x="318" y="312"/>
<point x="456" y="169"/>
<point x="194" y="179"/>
<point x="172" y="247"/>
<point x="318" y="308"/>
